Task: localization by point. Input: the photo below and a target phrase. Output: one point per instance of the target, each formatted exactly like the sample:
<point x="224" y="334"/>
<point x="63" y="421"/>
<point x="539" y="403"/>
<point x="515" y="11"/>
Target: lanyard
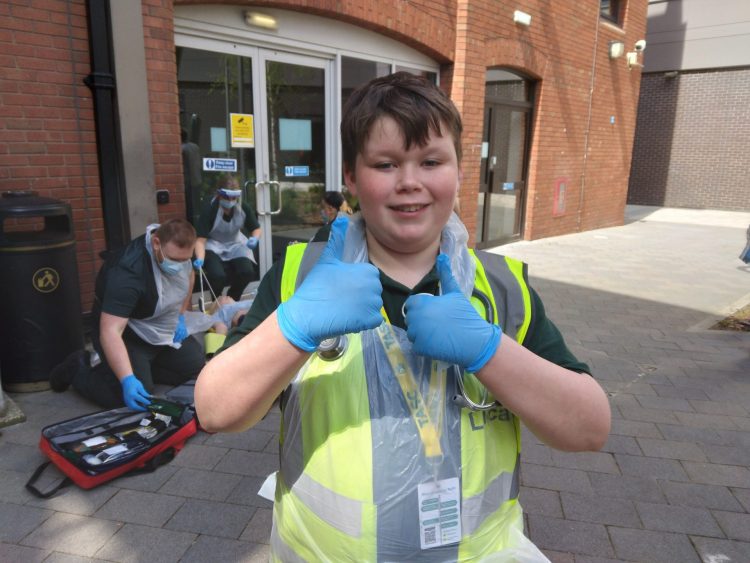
<point x="427" y="414"/>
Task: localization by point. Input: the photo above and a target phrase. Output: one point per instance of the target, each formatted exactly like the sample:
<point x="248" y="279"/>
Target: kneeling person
<point x="139" y="329"/>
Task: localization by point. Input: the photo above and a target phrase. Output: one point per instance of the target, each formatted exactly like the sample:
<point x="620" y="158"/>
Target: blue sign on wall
<point x="296" y="171"/>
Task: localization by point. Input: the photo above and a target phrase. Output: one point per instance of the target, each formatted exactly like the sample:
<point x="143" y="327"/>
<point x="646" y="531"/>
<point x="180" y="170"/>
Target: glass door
<point x="502" y="191"/>
<point x="212" y="88"/>
<point x="295" y="131"/>
<point x="507" y="131"/>
<point x="264" y="117"/>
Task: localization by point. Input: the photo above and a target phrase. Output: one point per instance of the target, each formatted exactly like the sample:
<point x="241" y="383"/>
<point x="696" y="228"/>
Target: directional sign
<point x="220" y="164"/>
<point x="296" y="171"/>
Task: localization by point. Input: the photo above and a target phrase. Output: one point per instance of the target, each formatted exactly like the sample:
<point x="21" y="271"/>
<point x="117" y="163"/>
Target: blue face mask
<point x="324" y="215"/>
<point x="170" y="267"/>
<point x="227" y="204"/>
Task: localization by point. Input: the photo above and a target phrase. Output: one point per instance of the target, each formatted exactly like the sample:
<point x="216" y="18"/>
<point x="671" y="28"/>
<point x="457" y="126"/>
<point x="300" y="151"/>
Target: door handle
<point x="270" y="183"/>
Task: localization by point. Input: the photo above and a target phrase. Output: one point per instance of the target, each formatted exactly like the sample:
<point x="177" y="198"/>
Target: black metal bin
<point x="40" y="305"/>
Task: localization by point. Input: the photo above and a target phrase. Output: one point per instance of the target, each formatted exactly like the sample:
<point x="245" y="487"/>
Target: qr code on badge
<point x="430" y="536"/>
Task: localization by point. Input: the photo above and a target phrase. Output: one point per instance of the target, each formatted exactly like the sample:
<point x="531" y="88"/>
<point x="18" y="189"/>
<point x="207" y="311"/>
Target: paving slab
<point x="137" y="507"/>
<point x="135" y="543"/>
<point x="208" y="548"/>
<point x="70" y="533"/>
<point x="16" y="522"/>
<point x="212" y="518"/>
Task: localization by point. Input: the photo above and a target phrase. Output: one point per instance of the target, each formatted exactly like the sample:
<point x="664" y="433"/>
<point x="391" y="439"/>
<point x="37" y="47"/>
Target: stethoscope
<point x="461" y="398"/>
<point x="333" y="348"/>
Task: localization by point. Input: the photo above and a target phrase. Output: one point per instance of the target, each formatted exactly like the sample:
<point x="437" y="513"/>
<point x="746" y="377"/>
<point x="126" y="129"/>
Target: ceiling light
<point x="258" y="19"/>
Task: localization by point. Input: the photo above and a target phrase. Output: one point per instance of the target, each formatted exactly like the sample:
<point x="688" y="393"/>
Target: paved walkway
<point x="672" y="484"/>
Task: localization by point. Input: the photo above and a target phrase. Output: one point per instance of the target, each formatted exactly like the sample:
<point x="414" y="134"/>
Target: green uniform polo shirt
<point x="125" y="284"/>
<point x="543" y="338"/>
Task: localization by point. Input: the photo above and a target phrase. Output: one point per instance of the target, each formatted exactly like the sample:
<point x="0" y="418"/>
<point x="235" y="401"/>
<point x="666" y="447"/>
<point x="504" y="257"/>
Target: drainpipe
<point x="101" y="81"/>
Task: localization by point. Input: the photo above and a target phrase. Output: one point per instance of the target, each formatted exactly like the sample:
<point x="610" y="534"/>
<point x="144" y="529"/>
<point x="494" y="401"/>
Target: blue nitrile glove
<point x="181" y="332"/>
<point x="335" y="298"/>
<point x="197" y="263"/>
<point x="447" y="327"/>
<point x="134" y="393"/>
<point x="252" y="242"/>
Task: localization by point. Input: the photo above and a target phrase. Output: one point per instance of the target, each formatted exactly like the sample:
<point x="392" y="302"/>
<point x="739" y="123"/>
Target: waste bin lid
<point x="20" y="193"/>
<point x="57" y="215"/>
<point x="28" y="203"/>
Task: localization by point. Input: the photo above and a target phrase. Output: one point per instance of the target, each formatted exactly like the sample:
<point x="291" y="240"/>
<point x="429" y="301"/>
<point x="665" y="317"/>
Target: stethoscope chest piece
<point x="333" y="348"/>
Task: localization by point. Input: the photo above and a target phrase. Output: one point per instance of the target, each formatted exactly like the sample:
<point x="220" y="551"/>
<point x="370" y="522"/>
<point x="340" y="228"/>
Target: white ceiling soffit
<point x="296" y="31"/>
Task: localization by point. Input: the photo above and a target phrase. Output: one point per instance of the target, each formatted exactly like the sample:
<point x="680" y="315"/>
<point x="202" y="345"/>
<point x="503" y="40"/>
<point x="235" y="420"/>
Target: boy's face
<point x="406" y="196"/>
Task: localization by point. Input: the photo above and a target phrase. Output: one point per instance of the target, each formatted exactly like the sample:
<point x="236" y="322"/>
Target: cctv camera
<point x="640" y="45"/>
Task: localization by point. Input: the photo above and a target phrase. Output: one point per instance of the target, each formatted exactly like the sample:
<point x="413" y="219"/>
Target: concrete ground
<point x="635" y="302"/>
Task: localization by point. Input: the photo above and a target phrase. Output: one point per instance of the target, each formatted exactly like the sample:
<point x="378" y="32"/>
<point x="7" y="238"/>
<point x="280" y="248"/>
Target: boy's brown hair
<point x="177" y="231"/>
<point x="413" y="102"/>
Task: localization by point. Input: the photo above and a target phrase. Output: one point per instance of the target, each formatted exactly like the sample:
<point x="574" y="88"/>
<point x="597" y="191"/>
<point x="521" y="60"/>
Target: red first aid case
<point x="95" y="448"/>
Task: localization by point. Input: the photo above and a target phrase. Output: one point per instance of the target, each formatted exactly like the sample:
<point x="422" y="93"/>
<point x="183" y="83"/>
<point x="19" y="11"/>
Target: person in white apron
<point x="223" y="250"/>
<point x="139" y="330"/>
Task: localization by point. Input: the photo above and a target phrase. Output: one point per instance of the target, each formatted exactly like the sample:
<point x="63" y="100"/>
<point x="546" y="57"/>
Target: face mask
<point x="324" y="215"/>
<point x="227" y="204"/>
<point x="169" y="267"/>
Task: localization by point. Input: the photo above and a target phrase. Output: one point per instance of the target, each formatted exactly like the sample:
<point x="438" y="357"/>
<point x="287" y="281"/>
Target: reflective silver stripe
<point x="506" y="291"/>
<point x="280" y="550"/>
<point x="476" y="509"/>
<point x="309" y="259"/>
<point x="343" y="513"/>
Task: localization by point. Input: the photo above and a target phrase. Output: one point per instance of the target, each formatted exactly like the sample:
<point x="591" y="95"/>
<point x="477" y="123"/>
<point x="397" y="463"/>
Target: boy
<point x="393" y="447"/>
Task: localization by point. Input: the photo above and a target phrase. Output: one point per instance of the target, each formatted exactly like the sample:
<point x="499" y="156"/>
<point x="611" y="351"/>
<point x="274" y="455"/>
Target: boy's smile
<point x="406" y="195"/>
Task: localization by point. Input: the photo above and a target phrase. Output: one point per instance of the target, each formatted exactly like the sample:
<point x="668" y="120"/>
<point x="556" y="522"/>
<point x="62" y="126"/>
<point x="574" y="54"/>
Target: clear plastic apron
<point x="402" y="389"/>
<point x="158" y="329"/>
<point x="226" y="239"/>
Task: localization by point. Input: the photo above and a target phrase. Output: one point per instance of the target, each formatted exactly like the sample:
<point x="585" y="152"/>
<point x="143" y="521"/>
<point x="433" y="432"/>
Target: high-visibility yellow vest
<point x="334" y="489"/>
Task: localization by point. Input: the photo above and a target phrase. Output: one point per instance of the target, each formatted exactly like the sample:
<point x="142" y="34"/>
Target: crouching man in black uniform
<point x="139" y="329"/>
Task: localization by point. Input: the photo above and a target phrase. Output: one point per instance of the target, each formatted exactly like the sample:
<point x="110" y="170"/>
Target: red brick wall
<point x="691" y="146"/>
<point x="47" y="137"/>
<point x="562" y="51"/>
<point x="161" y="71"/>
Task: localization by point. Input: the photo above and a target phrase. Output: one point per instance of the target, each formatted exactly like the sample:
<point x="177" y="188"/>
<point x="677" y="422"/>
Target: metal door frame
<point x="487" y="189"/>
<point x="264" y="184"/>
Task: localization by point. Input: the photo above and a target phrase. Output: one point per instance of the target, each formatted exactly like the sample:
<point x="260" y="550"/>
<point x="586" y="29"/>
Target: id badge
<point x="439" y="513"/>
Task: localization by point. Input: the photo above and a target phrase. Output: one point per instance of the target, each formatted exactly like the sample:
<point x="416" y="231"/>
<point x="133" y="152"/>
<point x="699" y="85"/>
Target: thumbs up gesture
<point x="335" y="298"/>
<point x="447" y="327"/>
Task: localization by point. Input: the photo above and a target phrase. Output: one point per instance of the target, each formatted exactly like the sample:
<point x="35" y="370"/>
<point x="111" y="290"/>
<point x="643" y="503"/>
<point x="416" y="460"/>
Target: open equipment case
<point x="98" y="447"/>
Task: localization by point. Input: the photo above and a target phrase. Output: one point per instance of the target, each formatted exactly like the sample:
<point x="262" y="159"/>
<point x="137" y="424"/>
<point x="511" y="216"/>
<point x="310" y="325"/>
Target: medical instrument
<point x="333" y="348"/>
<point x="461" y="398"/>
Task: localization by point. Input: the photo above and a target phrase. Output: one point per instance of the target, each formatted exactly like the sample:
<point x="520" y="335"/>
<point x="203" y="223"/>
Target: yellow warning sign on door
<point x="242" y="132"/>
